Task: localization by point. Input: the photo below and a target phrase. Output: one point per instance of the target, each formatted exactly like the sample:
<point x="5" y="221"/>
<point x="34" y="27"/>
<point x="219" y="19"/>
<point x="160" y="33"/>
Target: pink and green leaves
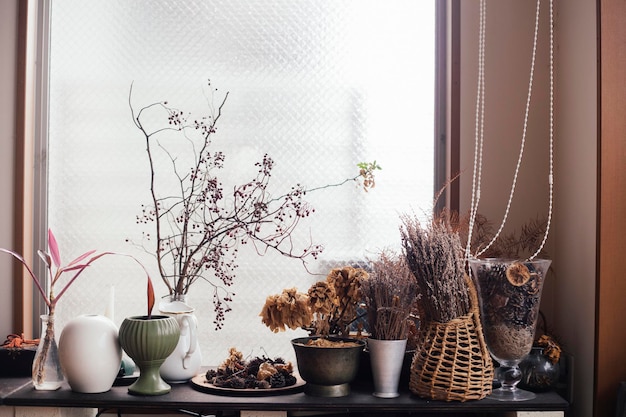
<point x="52" y="260"/>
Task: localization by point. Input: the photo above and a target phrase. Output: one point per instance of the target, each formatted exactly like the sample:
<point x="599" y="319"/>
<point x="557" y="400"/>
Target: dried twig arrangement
<point x="198" y="221"/>
<point x="389" y="295"/>
<point x="435" y="256"/>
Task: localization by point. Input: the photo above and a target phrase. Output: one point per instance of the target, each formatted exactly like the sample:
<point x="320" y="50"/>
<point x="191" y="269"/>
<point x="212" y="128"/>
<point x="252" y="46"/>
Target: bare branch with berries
<point x="199" y="225"/>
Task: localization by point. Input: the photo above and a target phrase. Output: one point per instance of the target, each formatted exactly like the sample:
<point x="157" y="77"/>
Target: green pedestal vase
<point x="148" y="342"/>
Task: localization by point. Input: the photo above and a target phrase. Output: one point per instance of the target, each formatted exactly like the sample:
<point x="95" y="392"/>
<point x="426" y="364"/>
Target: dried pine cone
<point x="233" y="362"/>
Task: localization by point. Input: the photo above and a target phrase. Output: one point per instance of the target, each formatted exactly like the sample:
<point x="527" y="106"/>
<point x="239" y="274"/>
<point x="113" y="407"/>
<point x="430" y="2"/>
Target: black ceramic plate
<point x="201" y="384"/>
<point x="122" y="381"/>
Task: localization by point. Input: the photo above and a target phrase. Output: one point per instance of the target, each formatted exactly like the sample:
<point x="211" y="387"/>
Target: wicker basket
<point x="452" y="362"/>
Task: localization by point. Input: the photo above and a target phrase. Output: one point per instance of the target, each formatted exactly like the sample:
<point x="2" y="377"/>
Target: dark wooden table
<point x="10" y="385"/>
<point x="19" y="392"/>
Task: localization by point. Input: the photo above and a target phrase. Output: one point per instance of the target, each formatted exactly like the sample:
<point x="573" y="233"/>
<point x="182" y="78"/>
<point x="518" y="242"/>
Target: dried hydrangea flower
<point x="266" y="370"/>
<point x="288" y="309"/>
<point x="328" y="308"/>
<point x="347" y="282"/>
<point x="322" y="298"/>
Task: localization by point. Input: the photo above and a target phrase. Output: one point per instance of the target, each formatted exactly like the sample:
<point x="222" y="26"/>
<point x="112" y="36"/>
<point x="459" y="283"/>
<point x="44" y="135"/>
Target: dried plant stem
<point x="390" y="293"/>
<point x="435" y="256"/>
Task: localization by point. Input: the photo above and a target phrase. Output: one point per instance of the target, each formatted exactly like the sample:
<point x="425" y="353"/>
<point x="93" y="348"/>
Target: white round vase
<point x="90" y="353"/>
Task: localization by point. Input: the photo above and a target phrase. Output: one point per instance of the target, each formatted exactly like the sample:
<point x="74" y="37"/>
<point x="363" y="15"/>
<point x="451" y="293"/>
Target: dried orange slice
<point x="517" y="274"/>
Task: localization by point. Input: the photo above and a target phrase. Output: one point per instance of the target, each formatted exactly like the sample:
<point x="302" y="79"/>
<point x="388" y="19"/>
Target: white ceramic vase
<point x="186" y="360"/>
<point x="387" y="357"/>
<point x="90" y="353"/>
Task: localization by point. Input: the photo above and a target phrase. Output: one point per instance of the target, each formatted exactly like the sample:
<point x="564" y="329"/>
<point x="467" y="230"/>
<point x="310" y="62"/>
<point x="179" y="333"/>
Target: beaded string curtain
<point x="320" y="85"/>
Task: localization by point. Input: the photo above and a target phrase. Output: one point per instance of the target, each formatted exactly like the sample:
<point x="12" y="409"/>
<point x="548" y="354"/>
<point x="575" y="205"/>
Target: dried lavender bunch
<point x="389" y="294"/>
<point x="435" y="256"/>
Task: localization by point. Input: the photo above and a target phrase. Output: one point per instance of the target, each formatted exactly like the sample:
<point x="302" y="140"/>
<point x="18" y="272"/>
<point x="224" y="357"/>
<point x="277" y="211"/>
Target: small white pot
<point x="90" y="353"/>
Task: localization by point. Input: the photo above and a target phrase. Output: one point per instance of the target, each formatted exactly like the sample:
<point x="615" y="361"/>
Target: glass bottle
<point x="47" y="372"/>
<point x="538" y="372"/>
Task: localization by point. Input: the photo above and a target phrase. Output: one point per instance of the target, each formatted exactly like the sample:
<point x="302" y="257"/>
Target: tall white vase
<point x="90" y="353"/>
<point x="387" y="357"/>
<point x="185" y="361"/>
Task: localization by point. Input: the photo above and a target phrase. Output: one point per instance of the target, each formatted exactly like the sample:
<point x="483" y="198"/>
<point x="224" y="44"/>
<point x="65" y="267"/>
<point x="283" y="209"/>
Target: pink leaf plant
<point x="75" y="268"/>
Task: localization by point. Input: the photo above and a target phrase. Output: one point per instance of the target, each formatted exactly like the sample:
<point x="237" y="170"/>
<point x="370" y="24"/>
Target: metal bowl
<point x="327" y="371"/>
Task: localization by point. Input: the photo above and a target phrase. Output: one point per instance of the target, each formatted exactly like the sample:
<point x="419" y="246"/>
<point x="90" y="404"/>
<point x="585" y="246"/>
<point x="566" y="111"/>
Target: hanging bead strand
<point x="478" y="149"/>
<point x="479" y="126"/>
<point x="551" y="172"/>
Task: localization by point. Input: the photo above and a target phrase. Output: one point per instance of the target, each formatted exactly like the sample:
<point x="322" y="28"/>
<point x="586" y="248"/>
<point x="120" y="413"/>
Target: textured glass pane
<point x="318" y="85"/>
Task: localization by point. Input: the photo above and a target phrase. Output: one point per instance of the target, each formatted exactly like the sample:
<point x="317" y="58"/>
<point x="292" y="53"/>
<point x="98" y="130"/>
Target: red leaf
<point x="150" y="297"/>
<point x="54" y="249"/>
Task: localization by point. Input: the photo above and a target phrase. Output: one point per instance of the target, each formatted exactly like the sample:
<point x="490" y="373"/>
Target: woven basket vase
<point x="453" y="363"/>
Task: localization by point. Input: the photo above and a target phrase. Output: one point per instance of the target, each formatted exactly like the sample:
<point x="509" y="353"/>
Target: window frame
<point x="30" y="203"/>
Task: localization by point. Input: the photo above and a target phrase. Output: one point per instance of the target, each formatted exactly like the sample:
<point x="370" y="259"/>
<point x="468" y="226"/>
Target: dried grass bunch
<point x="329" y="307"/>
<point x="390" y="294"/>
<point x="434" y="254"/>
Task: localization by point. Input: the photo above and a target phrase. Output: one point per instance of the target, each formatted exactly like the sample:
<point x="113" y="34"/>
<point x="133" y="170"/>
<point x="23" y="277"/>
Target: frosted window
<point x="319" y="85"/>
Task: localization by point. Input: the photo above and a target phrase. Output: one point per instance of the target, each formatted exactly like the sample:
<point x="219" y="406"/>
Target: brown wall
<point x="569" y="298"/>
<point x="610" y="362"/>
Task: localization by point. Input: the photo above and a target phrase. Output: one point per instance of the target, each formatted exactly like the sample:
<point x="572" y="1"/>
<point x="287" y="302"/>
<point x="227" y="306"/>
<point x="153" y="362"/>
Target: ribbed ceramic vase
<point x="148" y="342"/>
<point x="90" y="353"/>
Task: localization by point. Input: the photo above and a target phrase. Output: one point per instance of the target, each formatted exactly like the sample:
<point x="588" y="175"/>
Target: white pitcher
<point x="185" y="362"/>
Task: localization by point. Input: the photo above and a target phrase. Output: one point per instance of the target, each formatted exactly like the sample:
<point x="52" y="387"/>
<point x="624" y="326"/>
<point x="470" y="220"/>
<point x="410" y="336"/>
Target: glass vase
<point x="539" y="373"/>
<point x="47" y="372"/>
<point x="509" y="293"/>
